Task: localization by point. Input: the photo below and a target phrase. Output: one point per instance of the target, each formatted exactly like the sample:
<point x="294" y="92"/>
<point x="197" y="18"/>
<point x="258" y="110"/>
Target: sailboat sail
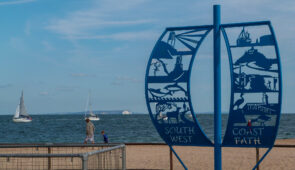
<point x="88" y="111"/>
<point x="21" y="114"/>
<point x="91" y="113"/>
<point x="22" y="108"/>
<point x="86" y="107"/>
<point x="16" y="115"/>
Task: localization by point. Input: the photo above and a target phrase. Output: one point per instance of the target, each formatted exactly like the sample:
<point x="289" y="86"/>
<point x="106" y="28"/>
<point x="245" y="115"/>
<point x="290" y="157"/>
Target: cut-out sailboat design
<point x="21" y="114"/>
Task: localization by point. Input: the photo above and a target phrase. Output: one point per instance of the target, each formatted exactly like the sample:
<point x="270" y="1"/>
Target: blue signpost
<point x="255" y="80"/>
<point x="217" y="88"/>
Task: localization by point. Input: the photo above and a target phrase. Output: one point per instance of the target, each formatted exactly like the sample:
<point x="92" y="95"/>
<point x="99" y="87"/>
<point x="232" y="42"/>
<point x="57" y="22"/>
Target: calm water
<point x="120" y="128"/>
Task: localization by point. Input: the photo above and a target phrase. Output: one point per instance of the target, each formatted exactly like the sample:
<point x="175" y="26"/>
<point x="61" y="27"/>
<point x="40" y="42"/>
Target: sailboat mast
<point x="21" y="98"/>
<point x="86" y="107"/>
<point x="90" y="106"/>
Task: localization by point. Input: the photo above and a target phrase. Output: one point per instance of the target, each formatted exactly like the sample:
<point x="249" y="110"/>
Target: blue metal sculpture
<point x="167" y="87"/>
<point x="256" y="94"/>
<point x="256" y="86"/>
<point x="255" y="80"/>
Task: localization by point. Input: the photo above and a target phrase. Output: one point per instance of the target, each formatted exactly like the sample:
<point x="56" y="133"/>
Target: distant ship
<point x="126" y="112"/>
<point x="21" y="114"/>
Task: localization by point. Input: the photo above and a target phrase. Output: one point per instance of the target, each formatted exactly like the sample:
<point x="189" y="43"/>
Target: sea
<point x="134" y="128"/>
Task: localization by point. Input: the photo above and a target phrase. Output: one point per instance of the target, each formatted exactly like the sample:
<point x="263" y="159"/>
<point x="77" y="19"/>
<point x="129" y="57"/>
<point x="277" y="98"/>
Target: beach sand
<point x="157" y="157"/>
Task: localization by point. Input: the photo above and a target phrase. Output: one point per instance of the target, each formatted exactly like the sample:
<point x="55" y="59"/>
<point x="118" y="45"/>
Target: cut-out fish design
<point x="160" y="92"/>
<point x="175" y="88"/>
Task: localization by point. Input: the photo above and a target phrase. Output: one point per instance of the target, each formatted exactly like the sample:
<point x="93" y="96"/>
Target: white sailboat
<point x="21" y="114"/>
<point x="88" y="113"/>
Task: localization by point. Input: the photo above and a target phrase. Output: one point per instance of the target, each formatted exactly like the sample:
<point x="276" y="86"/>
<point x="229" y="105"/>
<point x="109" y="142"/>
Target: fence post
<point x="49" y="158"/>
<point x="124" y="157"/>
<point x="84" y="162"/>
<point x="257" y="157"/>
<point x="171" y="159"/>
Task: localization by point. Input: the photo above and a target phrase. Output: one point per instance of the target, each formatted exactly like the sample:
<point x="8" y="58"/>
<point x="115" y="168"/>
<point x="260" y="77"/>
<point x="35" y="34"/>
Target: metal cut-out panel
<point x="167" y="86"/>
<point x="256" y="86"/>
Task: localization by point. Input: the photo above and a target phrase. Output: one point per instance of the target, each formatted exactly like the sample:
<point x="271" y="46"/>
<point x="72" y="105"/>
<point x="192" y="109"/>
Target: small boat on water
<point x="126" y="112"/>
<point x="92" y="117"/>
<point x="21" y="114"/>
<point x="89" y="113"/>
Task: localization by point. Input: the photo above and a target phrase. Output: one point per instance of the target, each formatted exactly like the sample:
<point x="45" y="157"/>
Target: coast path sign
<point x="256" y="86"/>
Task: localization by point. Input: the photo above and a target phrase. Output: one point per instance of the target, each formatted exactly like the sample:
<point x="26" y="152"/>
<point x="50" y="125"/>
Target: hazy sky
<point x="57" y="50"/>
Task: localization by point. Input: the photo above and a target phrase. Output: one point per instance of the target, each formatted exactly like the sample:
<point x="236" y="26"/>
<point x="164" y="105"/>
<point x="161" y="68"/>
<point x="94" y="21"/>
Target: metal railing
<point x="62" y="156"/>
<point x="137" y="156"/>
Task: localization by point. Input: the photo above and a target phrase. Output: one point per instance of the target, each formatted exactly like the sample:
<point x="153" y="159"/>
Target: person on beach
<point x="105" y="137"/>
<point x="249" y="124"/>
<point x="89" y="131"/>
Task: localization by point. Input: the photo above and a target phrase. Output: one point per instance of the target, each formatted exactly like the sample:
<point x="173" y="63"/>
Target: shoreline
<point x="287" y="141"/>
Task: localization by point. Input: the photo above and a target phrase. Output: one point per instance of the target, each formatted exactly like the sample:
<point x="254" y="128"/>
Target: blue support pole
<point x="185" y="168"/>
<point x="217" y="89"/>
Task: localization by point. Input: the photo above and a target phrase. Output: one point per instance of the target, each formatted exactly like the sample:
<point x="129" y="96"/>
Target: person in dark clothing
<point x="105" y="137"/>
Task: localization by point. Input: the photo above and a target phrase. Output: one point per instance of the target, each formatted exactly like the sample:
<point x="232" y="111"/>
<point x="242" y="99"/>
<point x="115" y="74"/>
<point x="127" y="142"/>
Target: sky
<point x="56" y="51"/>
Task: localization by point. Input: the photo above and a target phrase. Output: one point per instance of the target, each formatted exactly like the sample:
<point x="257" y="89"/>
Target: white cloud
<point x="44" y="93"/>
<point x="128" y="79"/>
<point x="120" y="80"/>
<point x="84" y="24"/>
<point x="141" y="35"/>
<point x="17" y="43"/>
<point x="14" y="2"/>
<point x="78" y="75"/>
<point x="47" y="45"/>
<point x="116" y="83"/>
<point x="5" y="86"/>
<point x="28" y="28"/>
<point x="66" y="88"/>
<point x="81" y="75"/>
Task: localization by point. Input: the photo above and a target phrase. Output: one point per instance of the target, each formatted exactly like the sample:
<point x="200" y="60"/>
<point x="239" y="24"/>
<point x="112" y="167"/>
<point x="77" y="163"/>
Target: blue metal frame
<point x="217" y="89"/>
<point x="280" y="76"/>
<point x="262" y="158"/>
<point x="150" y="80"/>
<point x="178" y="157"/>
<point x="167" y="91"/>
<point x="154" y="86"/>
<point x="267" y="139"/>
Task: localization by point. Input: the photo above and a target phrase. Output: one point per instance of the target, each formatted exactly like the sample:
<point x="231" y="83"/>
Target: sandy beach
<point x="201" y="158"/>
<point x="149" y="156"/>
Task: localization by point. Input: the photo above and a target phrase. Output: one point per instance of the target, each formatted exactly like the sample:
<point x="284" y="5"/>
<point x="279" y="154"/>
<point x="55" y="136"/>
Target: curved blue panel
<point x="167" y="86"/>
<point x="255" y="86"/>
